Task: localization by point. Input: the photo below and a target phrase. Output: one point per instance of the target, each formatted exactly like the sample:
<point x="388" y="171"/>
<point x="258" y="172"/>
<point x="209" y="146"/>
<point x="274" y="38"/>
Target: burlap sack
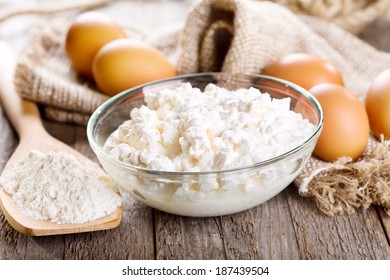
<point x="352" y="15"/>
<point x="240" y="37"/>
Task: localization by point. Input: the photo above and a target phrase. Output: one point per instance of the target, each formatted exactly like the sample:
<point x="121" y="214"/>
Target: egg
<point x="86" y="35"/>
<point x="304" y="70"/>
<point x="346" y="128"/>
<point x="378" y="104"/>
<point x="125" y="63"/>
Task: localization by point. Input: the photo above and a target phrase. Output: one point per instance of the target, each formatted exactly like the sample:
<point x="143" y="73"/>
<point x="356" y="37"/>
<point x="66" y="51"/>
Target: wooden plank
<point x="357" y="236"/>
<point x="8" y="139"/>
<point x="44" y="247"/>
<point x="132" y="239"/>
<point x="240" y="236"/>
<point x="264" y="232"/>
<point x="385" y="219"/>
<point x="181" y="238"/>
<point x="12" y="243"/>
<point x="170" y="239"/>
<point x="251" y="234"/>
<point x="276" y="235"/>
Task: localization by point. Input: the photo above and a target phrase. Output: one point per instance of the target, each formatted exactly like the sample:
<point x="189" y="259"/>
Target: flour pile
<point x="59" y="188"/>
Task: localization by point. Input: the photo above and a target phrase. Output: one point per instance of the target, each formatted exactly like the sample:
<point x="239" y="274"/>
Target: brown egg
<point x="304" y="70"/>
<point x="86" y="35"/>
<point x="125" y="63"/>
<point x="378" y="104"/>
<point x="346" y="128"/>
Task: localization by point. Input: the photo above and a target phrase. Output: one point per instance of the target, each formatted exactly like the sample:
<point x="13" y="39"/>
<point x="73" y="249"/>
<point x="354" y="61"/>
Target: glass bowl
<point x="177" y="192"/>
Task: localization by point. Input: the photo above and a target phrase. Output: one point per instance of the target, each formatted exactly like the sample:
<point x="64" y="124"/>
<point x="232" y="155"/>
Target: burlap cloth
<point x="239" y="37"/>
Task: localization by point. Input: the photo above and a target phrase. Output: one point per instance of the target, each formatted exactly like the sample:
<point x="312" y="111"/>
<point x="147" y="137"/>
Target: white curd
<point x="187" y="129"/>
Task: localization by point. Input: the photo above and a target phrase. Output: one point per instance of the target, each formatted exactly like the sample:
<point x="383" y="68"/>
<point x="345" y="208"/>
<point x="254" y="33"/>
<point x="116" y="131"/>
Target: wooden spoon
<point x="25" y="118"/>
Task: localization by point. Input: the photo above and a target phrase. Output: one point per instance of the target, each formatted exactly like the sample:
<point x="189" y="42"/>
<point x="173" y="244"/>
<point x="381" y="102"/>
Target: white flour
<point x="59" y="188"/>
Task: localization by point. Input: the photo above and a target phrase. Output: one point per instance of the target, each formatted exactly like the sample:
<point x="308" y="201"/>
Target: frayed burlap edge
<point x="344" y="186"/>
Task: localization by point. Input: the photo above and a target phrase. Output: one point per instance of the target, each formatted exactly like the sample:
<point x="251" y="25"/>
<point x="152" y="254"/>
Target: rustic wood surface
<point x="285" y="227"/>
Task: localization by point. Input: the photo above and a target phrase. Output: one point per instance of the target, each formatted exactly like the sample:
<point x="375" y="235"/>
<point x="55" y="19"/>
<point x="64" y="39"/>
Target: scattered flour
<point x="59" y="188"/>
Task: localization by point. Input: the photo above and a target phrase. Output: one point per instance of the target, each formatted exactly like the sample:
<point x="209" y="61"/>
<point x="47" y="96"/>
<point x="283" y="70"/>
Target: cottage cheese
<point x="186" y="129"/>
<point x="189" y="130"/>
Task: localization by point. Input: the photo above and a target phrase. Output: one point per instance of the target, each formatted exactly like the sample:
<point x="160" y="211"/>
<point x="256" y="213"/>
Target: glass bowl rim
<point x="99" y="111"/>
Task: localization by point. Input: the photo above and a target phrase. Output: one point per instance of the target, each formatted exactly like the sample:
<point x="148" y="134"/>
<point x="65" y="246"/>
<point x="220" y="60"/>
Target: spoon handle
<point x="24" y="115"/>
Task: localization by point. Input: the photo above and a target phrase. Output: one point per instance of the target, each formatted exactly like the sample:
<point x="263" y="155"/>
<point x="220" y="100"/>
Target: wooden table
<point x="285" y="227"/>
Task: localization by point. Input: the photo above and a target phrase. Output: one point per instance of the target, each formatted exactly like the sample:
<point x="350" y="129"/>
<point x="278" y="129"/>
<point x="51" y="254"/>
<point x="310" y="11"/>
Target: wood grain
<point x="8" y="139"/>
<point x="187" y="238"/>
<point x="133" y="239"/>
<point x="240" y="236"/>
<point x="385" y="220"/>
<point x="44" y="247"/>
<point x="276" y="234"/>
<point x="264" y="232"/>
<point x="12" y="243"/>
<point x="357" y="236"/>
